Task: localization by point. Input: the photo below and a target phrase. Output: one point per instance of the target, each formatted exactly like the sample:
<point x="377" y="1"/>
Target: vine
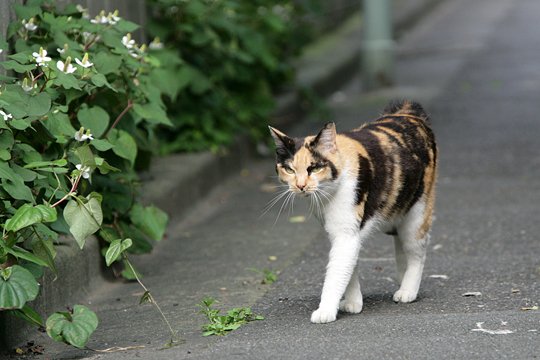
<point x="65" y="167"/>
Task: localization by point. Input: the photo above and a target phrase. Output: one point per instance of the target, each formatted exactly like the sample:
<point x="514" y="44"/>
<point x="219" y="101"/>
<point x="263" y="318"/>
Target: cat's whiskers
<point x="290" y="195"/>
<point x="274" y="201"/>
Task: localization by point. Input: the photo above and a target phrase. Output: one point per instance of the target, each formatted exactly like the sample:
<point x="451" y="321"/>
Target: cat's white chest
<point x="340" y="215"/>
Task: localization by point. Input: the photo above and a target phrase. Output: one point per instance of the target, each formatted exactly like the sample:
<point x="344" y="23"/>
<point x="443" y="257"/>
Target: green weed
<point x="222" y="324"/>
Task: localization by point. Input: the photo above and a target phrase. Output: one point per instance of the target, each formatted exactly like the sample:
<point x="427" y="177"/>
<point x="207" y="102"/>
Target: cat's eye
<point x="288" y="170"/>
<point x="315" y="168"/>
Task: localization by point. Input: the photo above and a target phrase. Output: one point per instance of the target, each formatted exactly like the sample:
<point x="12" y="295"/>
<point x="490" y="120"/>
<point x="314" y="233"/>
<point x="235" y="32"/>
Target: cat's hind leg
<point x="352" y="302"/>
<point x="413" y="238"/>
<point x="401" y="261"/>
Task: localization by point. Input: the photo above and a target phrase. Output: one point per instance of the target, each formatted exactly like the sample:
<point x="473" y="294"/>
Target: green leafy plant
<point x="66" y="167"/>
<point x="222" y="324"/>
<point x="268" y="276"/>
<point x="234" y="55"/>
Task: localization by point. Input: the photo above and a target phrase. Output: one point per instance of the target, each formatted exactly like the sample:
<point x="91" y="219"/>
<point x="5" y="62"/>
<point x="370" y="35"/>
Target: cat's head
<point x="305" y="164"/>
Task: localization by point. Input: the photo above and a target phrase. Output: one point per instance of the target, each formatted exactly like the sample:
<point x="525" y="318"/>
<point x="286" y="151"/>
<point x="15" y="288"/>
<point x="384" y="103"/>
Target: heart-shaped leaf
<point x="94" y="118"/>
<point x="17" y="286"/>
<point x="150" y="220"/>
<point x="116" y="248"/>
<point x="83" y="219"/>
<point x="74" y="329"/>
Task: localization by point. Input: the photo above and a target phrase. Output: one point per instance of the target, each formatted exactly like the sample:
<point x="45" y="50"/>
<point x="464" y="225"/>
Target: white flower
<point x="100" y="19"/>
<point x="156" y="44"/>
<point x="27" y="85"/>
<point x="86" y="35"/>
<point x="1" y="51"/>
<point x="83" y="11"/>
<point x="113" y="17"/>
<point x="82" y="136"/>
<point x="41" y="58"/>
<point x="85" y="170"/>
<point x="127" y="41"/>
<point x="66" y="67"/>
<point x="60" y="50"/>
<point x="30" y="26"/>
<point x="6" y="116"/>
<point x="85" y="63"/>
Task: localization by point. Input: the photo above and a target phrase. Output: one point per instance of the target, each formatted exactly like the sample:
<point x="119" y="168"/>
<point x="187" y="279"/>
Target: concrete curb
<point x="176" y="182"/>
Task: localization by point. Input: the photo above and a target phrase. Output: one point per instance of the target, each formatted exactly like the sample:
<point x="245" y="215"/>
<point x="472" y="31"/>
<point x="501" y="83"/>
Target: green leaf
<point x="6" y="143"/>
<point x="94" y="118"/>
<point x="107" y="63"/>
<point x="25" y="174"/>
<point x="18" y="190"/>
<point x="104" y="167"/>
<point x="28" y="215"/>
<point x="44" y="249"/>
<point x="74" y="329"/>
<point x="30" y="315"/>
<point x="21" y="253"/>
<point x="15" y="66"/>
<point x="145" y="298"/>
<point x="100" y="80"/>
<point x="141" y="243"/>
<point x="85" y="155"/>
<point x="17" y="286"/>
<point x="13" y="184"/>
<point x="125" y="26"/>
<point x="46" y="164"/>
<point x="22" y="57"/>
<point x="101" y="144"/>
<point x="167" y="82"/>
<point x="153" y="113"/>
<point x="128" y="274"/>
<point x="116" y="248"/>
<point x="38" y="105"/>
<point x="150" y="220"/>
<point x="124" y="145"/>
<point x="59" y="126"/>
<point x="27" y="11"/>
<point x="67" y="81"/>
<point x="83" y="219"/>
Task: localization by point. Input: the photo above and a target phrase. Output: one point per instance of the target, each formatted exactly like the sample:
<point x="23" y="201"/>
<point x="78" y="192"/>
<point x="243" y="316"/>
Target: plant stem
<point x="73" y="188"/>
<point x="173" y="333"/>
<point x="119" y="117"/>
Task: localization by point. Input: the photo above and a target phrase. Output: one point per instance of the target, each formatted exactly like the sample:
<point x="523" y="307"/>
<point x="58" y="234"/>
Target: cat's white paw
<point x="322" y="316"/>
<point x="405" y="296"/>
<point x="351" y="306"/>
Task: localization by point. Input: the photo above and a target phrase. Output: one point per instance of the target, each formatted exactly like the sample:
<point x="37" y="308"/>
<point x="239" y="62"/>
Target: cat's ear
<point x="325" y="141"/>
<point x="284" y="144"/>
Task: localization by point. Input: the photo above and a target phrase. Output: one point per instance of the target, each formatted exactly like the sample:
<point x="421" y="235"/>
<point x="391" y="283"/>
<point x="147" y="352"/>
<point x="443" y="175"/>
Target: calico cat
<point x="378" y="177"/>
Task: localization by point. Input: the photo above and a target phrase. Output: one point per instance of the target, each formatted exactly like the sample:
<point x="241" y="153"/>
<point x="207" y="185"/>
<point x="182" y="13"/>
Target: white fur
<point x="342" y="226"/>
<point x="346" y="238"/>
<point x="410" y="254"/>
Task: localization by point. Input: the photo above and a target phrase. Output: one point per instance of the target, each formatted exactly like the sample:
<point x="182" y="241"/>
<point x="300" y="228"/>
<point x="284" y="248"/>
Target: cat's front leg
<point x="352" y="302"/>
<point x="342" y="262"/>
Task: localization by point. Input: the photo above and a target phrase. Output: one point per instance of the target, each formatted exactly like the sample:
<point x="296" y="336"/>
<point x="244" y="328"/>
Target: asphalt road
<point x="475" y="65"/>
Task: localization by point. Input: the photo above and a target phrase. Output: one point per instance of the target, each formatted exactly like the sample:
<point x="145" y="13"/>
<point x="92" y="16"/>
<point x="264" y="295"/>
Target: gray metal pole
<point x="377" y="58"/>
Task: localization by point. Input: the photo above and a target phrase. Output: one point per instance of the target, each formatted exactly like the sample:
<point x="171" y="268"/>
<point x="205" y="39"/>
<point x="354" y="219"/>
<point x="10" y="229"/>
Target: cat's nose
<point x="301" y="187"/>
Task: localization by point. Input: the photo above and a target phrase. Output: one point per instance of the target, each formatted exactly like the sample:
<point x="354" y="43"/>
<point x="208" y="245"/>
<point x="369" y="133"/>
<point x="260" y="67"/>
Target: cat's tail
<point x="406" y="108"/>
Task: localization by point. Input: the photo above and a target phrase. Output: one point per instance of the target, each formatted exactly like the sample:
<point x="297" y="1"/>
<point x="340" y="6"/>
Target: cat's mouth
<point x="304" y="192"/>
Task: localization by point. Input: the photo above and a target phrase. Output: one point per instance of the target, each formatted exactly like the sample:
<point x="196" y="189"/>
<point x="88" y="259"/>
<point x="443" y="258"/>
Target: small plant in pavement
<point x="269" y="276"/>
<point x="222" y="324"/>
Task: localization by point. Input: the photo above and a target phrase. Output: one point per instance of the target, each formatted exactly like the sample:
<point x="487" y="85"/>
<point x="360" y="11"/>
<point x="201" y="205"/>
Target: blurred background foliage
<point x="223" y="63"/>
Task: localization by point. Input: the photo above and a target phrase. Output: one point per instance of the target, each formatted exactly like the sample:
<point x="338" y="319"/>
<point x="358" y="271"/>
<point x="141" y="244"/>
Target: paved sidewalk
<point x="475" y="66"/>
